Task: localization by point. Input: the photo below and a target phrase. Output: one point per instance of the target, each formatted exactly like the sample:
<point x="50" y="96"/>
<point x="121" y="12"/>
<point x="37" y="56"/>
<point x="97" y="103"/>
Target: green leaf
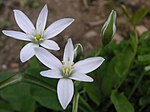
<point x="19" y="96"/>
<point x="144" y="44"/>
<point x="28" y="105"/>
<point x="121" y="103"/>
<point x="145" y="35"/>
<point x="5" y="107"/>
<point x="145" y="100"/>
<point x="5" y="24"/>
<point x="83" y="105"/>
<point x="144" y="58"/>
<point x="119" y="66"/>
<point x="138" y="16"/>
<point x="46" y="98"/>
<point x="93" y="92"/>
<point x="5" y="75"/>
<point x="126" y="12"/>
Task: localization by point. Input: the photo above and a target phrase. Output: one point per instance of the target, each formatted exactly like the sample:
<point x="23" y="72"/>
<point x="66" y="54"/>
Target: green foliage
<point x="22" y="97"/>
<point x="121" y="103"/>
<point x="138" y="16"/>
<point x="45" y="98"/>
<point x="5" y="24"/>
<point x="93" y="92"/>
<point x="124" y="57"/>
<point x="135" y="18"/>
<point x="30" y="3"/>
<point x="5" y="107"/>
<point x="17" y="96"/>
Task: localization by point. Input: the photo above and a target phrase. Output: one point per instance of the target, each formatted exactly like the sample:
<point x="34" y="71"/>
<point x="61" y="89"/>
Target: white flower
<point x="67" y="70"/>
<point x="37" y="36"/>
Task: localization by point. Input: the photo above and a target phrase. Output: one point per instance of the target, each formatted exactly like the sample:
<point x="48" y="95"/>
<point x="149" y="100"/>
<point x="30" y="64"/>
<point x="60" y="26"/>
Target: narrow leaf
<point x="121" y="103"/>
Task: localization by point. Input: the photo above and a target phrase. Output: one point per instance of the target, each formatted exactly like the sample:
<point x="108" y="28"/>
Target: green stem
<point x="76" y="97"/>
<point x="11" y="81"/>
<point x="24" y="78"/>
<point x="75" y="102"/>
<point x="136" y="85"/>
<point x="98" y="52"/>
<point x="38" y="82"/>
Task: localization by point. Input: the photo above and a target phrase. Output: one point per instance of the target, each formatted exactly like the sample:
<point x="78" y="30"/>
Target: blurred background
<point x="89" y="17"/>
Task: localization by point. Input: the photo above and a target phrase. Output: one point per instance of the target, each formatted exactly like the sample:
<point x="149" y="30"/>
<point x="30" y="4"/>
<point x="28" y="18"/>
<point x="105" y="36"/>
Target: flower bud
<point x="78" y="51"/>
<point x="109" y="28"/>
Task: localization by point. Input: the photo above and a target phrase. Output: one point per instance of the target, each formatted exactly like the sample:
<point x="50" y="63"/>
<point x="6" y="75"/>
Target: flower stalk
<point x="76" y="97"/>
<point x="75" y="102"/>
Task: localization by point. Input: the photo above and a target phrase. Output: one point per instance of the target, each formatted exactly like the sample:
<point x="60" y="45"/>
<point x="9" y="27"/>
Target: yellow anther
<point x="63" y="62"/>
<point x="72" y="64"/>
<point x="38" y="36"/>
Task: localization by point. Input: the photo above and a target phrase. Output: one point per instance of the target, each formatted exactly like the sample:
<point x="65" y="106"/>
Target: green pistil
<point x="66" y="70"/>
<point x="38" y="36"/>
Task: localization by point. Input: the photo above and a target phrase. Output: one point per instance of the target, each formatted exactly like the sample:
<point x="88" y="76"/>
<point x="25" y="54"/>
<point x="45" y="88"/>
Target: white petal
<point x="68" y="52"/>
<point x="51" y="74"/>
<point x="81" y="77"/>
<point x="47" y="58"/>
<point x="57" y="27"/>
<point x="88" y="65"/>
<point x="65" y="90"/>
<point x="27" y="52"/>
<point x="41" y="21"/>
<point x="50" y="44"/>
<point x="23" y="22"/>
<point x="17" y="35"/>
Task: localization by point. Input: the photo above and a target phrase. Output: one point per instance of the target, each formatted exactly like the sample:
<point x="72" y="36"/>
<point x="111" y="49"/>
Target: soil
<point x="89" y="17"/>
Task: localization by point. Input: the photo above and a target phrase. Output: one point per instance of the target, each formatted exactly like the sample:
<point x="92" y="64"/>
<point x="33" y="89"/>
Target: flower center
<point x="67" y="69"/>
<point x="38" y="36"/>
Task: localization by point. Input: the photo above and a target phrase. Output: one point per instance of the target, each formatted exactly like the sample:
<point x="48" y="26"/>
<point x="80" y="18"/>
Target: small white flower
<point x="37" y="36"/>
<point x="67" y="70"/>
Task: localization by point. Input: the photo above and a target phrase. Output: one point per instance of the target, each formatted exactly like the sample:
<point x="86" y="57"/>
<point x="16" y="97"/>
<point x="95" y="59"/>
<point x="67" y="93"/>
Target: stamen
<point x="63" y="62"/>
<point x="72" y="64"/>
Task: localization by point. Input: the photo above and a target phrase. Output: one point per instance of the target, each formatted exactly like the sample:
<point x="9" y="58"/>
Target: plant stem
<point x="11" y="81"/>
<point x="136" y="85"/>
<point x="76" y="97"/>
<point x="24" y="78"/>
<point x="75" y="102"/>
<point x="38" y="82"/>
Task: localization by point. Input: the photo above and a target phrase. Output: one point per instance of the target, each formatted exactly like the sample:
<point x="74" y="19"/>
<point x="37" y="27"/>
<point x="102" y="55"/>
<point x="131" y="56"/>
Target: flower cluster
<point x="66" y="70"/>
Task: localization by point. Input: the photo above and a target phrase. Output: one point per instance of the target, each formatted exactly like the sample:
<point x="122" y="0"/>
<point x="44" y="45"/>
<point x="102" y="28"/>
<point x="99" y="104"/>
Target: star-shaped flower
<point x="67" y="70"/>
<point x="37" y="36"/>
